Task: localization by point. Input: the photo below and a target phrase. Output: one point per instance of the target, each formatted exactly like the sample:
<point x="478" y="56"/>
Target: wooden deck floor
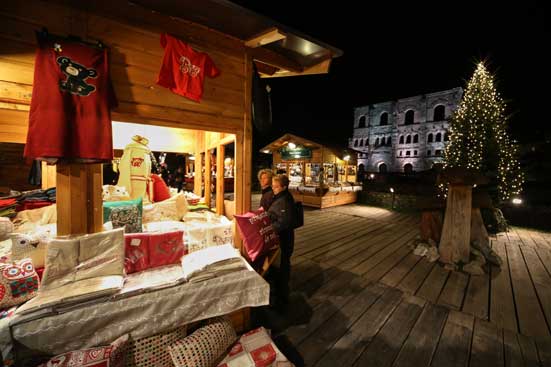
<point x="361" y="298"/>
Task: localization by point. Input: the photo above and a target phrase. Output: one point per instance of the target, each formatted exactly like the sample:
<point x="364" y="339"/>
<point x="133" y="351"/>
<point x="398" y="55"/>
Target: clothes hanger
<point x="43" y="34"/>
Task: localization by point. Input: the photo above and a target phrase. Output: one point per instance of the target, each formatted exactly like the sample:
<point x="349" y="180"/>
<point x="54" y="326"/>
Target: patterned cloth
<point x="127" y="216"/>
<point x="18" y="282"/>
<point x="205" y="346"/>
<point x="255" y="349"/>
<point x="112" y="355"/>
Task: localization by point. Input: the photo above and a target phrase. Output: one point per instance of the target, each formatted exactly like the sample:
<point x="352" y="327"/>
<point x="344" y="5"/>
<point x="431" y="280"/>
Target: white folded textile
<point x="211" y="261"/>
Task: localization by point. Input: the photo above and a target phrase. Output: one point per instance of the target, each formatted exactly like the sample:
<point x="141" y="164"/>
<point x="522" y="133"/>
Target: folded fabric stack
<point x="35" y="199"/>
<point x="8" y="207"/>
<point x="211" y="262"/>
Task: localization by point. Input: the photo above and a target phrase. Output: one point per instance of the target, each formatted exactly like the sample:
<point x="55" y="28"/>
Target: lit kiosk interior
<point x="320" y="176"/>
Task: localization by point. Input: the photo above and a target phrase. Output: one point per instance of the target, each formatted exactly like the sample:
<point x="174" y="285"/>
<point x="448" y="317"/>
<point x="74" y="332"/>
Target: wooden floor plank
<point x="529" y="313"/>
<point x="454" y="290"/>
<point x="477" y="296"/>
<point x="350" y="346"/>
<point x="545" y="257"/>
<point x="393" y="277"/>
<point x="502" y="306"/>
<point x="487" y="346"/>
<point x="423" y="339"/>
<point x="529" y="350"/>
<point x="319" y="342"/>
<point x="455" y="343"/>
<point x="543" y="345"/>
<point x="511" y="350"/>
<point x="412" y="282"/>
<point x="376" y="258"/>
<point x="432" y="286"/>
<point x="386" y="345"/>
<point x="540" y="279"/>
<point x="387" y="264"/>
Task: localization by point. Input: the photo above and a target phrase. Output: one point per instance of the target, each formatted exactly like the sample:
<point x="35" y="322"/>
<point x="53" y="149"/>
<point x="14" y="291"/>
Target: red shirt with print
<point x="70" y="115"/>
<point x="183" y="70"/>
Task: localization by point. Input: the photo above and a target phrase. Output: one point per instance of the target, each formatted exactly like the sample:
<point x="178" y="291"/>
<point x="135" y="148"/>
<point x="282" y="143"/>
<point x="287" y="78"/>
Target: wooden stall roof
<point x="339" y="152"/>
<point x="277" y="50"/>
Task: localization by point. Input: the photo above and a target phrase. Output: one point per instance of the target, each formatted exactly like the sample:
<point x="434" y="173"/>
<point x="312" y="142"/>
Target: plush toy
<point x="115" y="193"/>
<point x="6" y="227"/>
<point x="31" y="245"/>
<point x="135" y="168"/>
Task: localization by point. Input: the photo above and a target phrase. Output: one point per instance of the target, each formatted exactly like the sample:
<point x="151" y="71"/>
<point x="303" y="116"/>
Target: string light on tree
<point x="479" y="139"/>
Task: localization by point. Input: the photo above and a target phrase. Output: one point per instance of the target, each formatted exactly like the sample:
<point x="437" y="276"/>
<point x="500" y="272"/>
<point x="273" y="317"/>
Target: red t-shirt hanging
<point x="183" y="70"/>
<point x="70" y="115"/>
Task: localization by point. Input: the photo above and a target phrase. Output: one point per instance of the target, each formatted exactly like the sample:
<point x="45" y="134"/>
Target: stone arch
<point x="383" y="119"/>
<point x="439" y="113"/>
<point x="410" y="115"/>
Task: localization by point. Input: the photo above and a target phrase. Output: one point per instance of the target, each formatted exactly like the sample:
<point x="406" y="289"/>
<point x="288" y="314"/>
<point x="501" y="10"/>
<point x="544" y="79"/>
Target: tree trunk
<point x="431" y="225"/>
<point x="456" y="232"/>
<point x="478" y="230"/>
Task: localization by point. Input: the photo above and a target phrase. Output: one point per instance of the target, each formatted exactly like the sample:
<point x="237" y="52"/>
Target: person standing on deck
<point x="265" y="179"/>
<point x="282" y="213"/>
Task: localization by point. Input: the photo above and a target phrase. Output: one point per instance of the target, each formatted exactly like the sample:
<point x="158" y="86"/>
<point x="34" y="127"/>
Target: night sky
<point x="400" y="51"/>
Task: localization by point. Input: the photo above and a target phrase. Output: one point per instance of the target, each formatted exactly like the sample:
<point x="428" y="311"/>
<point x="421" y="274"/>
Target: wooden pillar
<point x="247" y="134"/>
<point x="346" y="172"/>
<point x="208" y="177"/>
<point x="238" y="186"/>
<point x="198" y="178"/>
<point x="456" y="231"/>
<point x="220" y="179"/>
<point x="79" y="201"/>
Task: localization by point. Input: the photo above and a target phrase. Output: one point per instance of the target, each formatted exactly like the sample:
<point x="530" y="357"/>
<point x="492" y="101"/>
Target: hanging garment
<point x="183" y="70"/>
<point x="135" y="168"/>
<point x="70" y="108"/>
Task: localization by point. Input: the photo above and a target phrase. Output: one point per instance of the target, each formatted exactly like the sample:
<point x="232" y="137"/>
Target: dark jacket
<point x="267" y="198"/>
<point x="282" y="214"/>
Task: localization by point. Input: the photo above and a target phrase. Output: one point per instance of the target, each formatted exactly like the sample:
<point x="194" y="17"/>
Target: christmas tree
<point x="479" y="139"/>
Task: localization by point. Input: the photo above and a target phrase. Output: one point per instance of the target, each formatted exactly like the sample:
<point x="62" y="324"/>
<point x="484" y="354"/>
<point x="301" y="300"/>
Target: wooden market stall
<point x="233" y="38"/>
<point x="321" y="176"/>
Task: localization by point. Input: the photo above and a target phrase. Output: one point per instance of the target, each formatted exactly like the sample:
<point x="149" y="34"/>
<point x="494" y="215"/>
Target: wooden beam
<point x="268" y="36"/>
<point x="198" y="177"/>
<point x="272" y="58"/>
<point x="265" y="69"/>
<point x="238" y="186"/>
<point x="320" y="68"/>
<point x="247" y="135"/>
<point x="208" y="177"/>
<point x="226" y="140"/>
<point x="220" y="179"/>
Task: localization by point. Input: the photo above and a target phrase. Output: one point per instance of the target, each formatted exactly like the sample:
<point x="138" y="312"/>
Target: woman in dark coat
<point x="265" y="179"/>
<point x="282" y="213"/>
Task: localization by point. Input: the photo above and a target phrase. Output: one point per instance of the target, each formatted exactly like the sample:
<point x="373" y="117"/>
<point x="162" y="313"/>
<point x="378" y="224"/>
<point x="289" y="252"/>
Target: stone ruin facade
<point x="405" y="135"/>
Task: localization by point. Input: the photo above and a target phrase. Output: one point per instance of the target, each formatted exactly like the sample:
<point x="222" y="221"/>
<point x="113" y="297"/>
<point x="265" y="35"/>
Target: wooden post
<point x="198" y="178"/>
<point x="247" y="134"/>
<point x="208" y="176"/>
<point x="79" y="201"/>
<point x="346" y="172"/>
<point x="220" y="179"/>
<point x="456" y="231"/>
<point x="238" y="186"/>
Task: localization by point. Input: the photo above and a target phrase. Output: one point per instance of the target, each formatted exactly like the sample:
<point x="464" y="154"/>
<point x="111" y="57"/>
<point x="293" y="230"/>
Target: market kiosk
<point x="131" y="31"/>
<point x="321" y="176"/>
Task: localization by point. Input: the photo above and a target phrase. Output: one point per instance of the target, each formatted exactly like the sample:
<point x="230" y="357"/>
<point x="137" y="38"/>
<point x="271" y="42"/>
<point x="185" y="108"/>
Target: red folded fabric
<point x="150" y="250"/>
<point x="136" y="252"/>
<point x="7" y="202"/>
<point x="166" y="248"/>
